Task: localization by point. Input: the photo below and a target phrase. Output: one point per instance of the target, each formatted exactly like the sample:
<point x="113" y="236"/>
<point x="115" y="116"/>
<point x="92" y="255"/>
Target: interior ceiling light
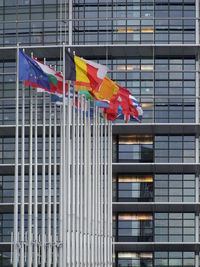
<point x="147" y="67"/>
<point x="128" y="67"/>
<point x="147" y="29"/>
<point x="135" y="179"/>
<point x="147" y="105"/>
<point x="127" y="30"/>
<point x="135" y="217"/>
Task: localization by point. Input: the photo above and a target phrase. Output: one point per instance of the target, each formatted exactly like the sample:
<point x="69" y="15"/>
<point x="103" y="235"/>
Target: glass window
<point x="135" y="227"/>
<point x="135" y="188"/>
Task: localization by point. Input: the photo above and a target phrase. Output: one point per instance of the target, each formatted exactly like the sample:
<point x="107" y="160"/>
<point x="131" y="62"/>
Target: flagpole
<point x="30" y="183"/>
<point x="43" y="182"/>
<point x="61" y="191"/>
<point x="98" y="187"/>
<point x="15" y="260"/>
<point x="101" y="190"/>
<point x="93" y="189"/>
<point x="73" y="233"/>
<point x="64" y="165"/>
<point x="55" y="191"/>
<point x="49" y="250"/>
<point x="81" y="184"/>
<point x="111" y="209"/>
<point x="108" y="198"/>
<point x="109" y="195"/>
<point x="89" y="182"/>
<point x="78" y="184"/>
<point x="96" y="193"/>
<point x="35" y="192"/>
<point x="68" y="180"/>
<point x="22" y="183"/>
<point x="84" y="187"/>
<point x="105" y="194"/>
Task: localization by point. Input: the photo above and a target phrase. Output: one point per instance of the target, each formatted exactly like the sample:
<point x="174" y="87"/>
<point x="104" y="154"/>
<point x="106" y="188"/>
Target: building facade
<point x="152" y="48"/>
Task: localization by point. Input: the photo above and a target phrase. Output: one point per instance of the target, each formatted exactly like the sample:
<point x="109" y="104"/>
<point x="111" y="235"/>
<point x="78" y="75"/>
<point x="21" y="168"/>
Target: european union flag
<point x="31" y="73"/>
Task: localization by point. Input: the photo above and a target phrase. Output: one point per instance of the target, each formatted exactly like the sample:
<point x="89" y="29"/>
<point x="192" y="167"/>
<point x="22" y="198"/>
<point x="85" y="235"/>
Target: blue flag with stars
<point x="31" y="73"/>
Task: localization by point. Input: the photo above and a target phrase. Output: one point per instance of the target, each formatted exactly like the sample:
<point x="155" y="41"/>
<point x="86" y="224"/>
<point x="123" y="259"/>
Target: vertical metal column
<point x="109" y="195"/>
<point x="61" y="185"/>
<point x="70" y="21"/>
<point x="43" y="181"/>
<point x="55" y="191"/>
<point x="49" y="246"/>
<point x="98" y="190"/>
<point x="15" y="260"/>
<point x="67" y="180"/>
<point x="73" y="186"/>
<point x="78" y="185"/>
<point x="197" y="141"/>
<point x="89" y="182"/>
<point x="105" y="197"/>
<point x="81" y="186"/>
<point x="35" y="189"/>
<point x="22" y="181"/>
<point x="93" y="192"/>
<point x="197" y="200"/>
<point x="85" y="186"/>
<point x="197" y="89"/>
<point x="30" y="245"/>
<point x="63" y="166"/>
<point x="197" y="21"/>
<point x="101" y="193"/>
<point x="110" y="188"/>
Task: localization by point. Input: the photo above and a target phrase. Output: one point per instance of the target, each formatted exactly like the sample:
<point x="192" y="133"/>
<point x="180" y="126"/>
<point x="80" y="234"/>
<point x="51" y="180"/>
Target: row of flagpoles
<point x="87" y="77"/>
<point x="72" y="224"/>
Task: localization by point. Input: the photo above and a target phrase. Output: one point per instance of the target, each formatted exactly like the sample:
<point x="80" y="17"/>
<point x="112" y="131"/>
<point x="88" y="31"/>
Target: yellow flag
<point x="107" y="89"/>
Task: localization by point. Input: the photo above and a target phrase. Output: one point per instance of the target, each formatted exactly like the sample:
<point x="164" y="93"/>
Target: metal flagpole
<point x="61" y="191"/>
<point x="78" y="186"/>
<point x="35" y="191"/>
<point x="15" y="261"/>
<point x="84" y="188"/>
<point x="101" y="191"/>
<point x="81" y="186"/>
<point x="64" y="200"/>
<point x="105" y="195"/>
<point x="109" y="194"/>
<point x="49" y="250"/>
<point x="93" y="190"/>
<point x="22" y="182"/>
<point x="43" y="181"/>
<point x="73" y="185"/>
<point x="99" y="186"/>
<point x="108" y="184"/>
<point x="96" y="193"/>
<point x="55" y="191"/>
<point x="30" y="245"/>
<point x="67" y="180"/>
<point x="88" y="189"/>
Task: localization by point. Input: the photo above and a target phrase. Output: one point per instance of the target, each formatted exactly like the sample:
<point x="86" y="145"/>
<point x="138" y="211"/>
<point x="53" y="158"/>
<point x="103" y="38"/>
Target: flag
<point x="55" y="79"/>
<point x="31" y="73"/>
<point x="107" y="89"/>
<point x="136" y="107"/>
<point x="123" y="103"/>
<point x="86" y="94"/>
<point x="86" y="75"/>
<point x="37" y="75"/>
